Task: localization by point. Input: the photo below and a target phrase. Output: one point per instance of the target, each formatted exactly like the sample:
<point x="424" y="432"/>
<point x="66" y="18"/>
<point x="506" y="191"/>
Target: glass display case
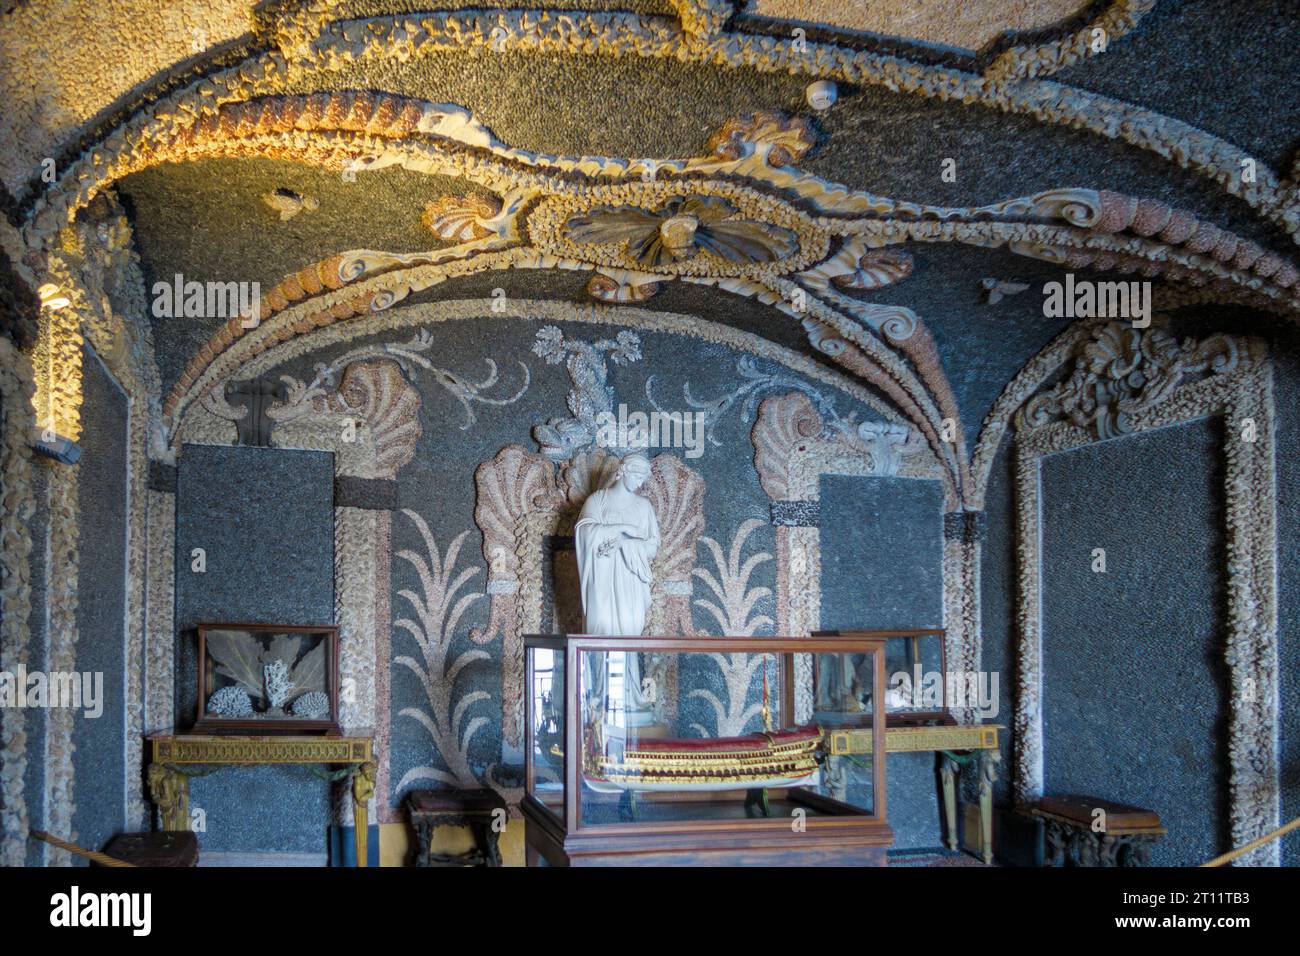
<point x="267" y="679"/>
<point x="689" y="750"/>
<point x="916" y="675"/>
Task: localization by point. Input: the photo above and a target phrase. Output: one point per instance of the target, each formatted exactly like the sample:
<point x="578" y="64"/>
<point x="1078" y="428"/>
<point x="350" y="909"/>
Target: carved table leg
<point x="988" y="764"/>
<point x="488" y="836"/>
<point x="423" y="842"/>
<point x="1109" y="849"/>
<point x="170" y="790"/>
<point x="363" y="788"/>
<point x="1055" y="838"/>
<point x="948" y="774"/>
<point x="1141" y="852"/>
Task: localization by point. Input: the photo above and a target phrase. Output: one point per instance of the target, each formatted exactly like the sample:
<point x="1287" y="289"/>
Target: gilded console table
<point x="169" y="783"/>
<point x="957" y="746"/>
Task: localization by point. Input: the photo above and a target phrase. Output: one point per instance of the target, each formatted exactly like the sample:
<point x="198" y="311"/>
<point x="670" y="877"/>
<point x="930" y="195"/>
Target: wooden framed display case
<point x="920" y="654"/>
<point x="669" y="751"/>
<point x="267" y="679"/>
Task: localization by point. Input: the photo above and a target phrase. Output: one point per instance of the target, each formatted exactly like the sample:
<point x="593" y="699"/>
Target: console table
<point x="957" y="745"/>
<point x="169" y="783"/>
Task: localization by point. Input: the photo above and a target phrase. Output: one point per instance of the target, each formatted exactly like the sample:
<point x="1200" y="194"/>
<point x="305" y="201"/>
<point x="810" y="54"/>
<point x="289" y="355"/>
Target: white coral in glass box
<point x="230" y="702"/>
<point x="314" y="705"/>
<point x="270" y="677"/>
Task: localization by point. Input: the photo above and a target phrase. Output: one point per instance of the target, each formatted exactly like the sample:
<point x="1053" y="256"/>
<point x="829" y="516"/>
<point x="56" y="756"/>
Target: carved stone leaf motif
<point x="685" y="226"/>
<point x="1122" y="371"/>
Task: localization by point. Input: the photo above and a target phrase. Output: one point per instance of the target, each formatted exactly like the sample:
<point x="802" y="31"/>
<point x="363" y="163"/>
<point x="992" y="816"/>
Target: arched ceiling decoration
<point x="314" y="37"/>
<point x="800" y="243"/>
<point x="743" y="215"/>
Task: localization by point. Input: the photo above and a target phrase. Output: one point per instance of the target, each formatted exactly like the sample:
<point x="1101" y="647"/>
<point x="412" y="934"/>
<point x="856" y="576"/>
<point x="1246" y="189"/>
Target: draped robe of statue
<point x="616" y="538"/>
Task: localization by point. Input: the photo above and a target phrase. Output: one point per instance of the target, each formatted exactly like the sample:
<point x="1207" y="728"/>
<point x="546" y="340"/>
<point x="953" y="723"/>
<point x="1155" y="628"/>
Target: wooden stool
<point x="1076" y="834"/>
<point x="167" y="848"/>
<point x="477" y="809"/>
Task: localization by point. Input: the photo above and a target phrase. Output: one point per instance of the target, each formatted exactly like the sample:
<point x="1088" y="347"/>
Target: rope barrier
<point x="1254" y="844"/>
<point x="103" y="859"/>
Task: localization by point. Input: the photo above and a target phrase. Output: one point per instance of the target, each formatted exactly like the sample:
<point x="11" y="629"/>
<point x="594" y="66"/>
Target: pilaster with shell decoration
<point x="371" y="423"/>
<point x="17" y="505"/>
<point x="518" y="504"/>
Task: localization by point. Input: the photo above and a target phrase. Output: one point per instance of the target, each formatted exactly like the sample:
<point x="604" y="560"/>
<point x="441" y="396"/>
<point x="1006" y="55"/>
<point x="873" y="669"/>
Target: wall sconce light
<point x="52" y="298"/>
<point x="822" y="94"/>
<point x="51" y="445"/>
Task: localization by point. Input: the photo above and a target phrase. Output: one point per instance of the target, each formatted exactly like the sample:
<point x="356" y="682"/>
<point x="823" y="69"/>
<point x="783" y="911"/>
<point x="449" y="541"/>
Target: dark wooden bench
<point x="1086" y="831"/>
<point x="482" y="811"/>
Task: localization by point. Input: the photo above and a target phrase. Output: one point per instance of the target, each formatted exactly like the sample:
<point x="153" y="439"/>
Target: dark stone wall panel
<point x="99" y="759"/>
<point x="265" y="518"/>
<point x="882" y="567"/>
<point x="882" y="552"/>
<point x="1135" y="687"/>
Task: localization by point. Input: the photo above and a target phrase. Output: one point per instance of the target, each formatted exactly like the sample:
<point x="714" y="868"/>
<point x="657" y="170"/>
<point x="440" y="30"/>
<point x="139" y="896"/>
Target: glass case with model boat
<point x="688" y="750"/>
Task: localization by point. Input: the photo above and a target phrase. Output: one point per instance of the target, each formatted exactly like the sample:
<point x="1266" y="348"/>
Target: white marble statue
<point x="616" y="538"/>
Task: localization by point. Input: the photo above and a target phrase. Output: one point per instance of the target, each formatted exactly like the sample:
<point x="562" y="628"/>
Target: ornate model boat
<point x="769" y="760"/>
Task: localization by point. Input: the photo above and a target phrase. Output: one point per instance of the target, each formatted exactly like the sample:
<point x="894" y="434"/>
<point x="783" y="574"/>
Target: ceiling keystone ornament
<point x="1121" y="372"/>
<point x="774" y="138"/>
<point x="682" y="228"/>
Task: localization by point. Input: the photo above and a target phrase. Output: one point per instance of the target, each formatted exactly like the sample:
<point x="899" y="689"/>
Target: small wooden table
<point x="957" y="745"/>
<point x="169" y="784"/>
<point x="480" y="810"/>
<point x="1085" y="831"/>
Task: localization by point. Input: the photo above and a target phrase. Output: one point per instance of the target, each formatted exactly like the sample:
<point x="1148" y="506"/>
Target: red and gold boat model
<point x="772" y="759"/>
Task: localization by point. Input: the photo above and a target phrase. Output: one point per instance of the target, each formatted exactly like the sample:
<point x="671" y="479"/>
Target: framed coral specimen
<point x="268" y="679"/>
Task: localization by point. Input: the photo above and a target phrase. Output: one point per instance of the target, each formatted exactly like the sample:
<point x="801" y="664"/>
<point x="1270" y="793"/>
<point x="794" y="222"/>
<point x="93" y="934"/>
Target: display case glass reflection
<point x="916" y="679"/>
<point x="668" y="735"/>
<point x="545" y="706"/>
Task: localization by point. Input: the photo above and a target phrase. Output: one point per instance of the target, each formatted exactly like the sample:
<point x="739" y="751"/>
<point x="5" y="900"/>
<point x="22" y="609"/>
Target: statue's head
<point x="633" y="472"/>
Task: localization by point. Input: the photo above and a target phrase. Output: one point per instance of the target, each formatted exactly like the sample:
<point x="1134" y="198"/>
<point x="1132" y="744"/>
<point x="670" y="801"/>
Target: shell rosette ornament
<point x="680" y="230"/>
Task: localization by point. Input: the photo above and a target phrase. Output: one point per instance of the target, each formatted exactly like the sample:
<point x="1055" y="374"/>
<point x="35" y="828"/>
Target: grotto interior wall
<point x="461" y="406"/>
<point x="1135" y="690"/>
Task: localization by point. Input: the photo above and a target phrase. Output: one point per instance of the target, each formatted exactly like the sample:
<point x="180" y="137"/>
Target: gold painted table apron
<point x="169" y="786"/>
<point x="956" y="746"/>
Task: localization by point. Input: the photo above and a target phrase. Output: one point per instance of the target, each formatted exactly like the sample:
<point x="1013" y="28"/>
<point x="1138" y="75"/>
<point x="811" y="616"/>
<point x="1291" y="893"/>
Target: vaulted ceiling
<point x="198" y="118"/>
